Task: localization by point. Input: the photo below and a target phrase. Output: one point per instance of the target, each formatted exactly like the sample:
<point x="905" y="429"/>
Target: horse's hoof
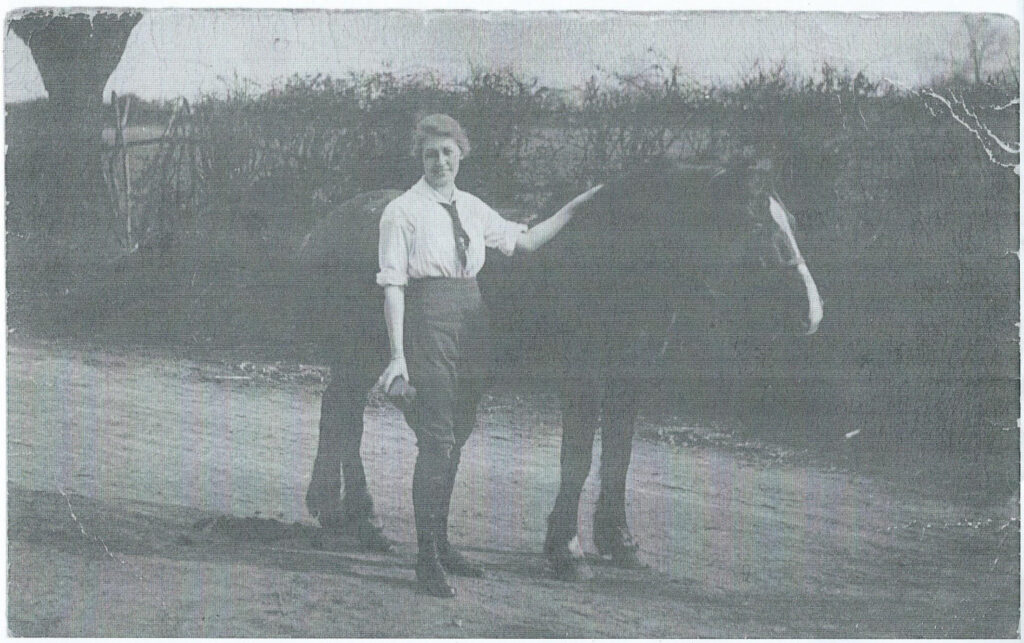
<point x="324" y="506"/>
<point x="329" y="520"/>
<point x="361" y="528"/>
<point x="372" y="538"/>
<point x="569" y="569"/>
<point x="566" y="562"/>
<point x="369" y="535"/>
<point x="619" y="546"/>
<point x="626" y="560"/>
<point x="329" y="515"/>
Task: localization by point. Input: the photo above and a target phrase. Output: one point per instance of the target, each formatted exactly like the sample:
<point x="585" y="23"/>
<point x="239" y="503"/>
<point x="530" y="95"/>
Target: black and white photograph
<point x="529" y="322"/>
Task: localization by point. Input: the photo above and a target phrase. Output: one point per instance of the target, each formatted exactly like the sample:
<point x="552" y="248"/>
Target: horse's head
<point x="766" y="266"/>
<point x="678" y="229"/>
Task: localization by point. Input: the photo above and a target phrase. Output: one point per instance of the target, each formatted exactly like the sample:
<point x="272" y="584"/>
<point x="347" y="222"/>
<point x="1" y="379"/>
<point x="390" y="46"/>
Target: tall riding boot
<point x="453" y="561"/>
<point x="429" y="573"/>
<point x="428" y="486"/>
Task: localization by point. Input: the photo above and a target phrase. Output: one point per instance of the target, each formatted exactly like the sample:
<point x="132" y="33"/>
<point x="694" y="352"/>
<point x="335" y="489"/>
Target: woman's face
<point x="441" y="156"/>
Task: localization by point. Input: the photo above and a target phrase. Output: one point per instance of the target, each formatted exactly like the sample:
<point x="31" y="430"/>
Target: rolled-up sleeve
<point x="393" y="249"/>
<point x="499" y="232"/>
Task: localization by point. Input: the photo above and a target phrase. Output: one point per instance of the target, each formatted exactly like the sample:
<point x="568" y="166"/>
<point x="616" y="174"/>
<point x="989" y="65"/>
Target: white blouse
<point x="416" y="237"/>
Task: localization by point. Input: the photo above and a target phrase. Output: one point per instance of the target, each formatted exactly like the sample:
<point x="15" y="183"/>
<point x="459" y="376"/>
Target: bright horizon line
<point x="263" y="49"/>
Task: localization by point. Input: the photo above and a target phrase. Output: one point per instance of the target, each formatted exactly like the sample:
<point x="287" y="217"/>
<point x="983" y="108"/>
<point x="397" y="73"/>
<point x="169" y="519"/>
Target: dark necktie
<point x="461" y="238"/>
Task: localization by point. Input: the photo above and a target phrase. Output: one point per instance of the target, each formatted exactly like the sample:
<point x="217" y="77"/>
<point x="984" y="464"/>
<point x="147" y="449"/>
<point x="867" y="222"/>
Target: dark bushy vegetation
<point x="908" y="226"/>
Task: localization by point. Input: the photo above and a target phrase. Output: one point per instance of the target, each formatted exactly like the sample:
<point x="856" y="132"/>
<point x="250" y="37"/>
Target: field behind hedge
<point x="909" y="227"/>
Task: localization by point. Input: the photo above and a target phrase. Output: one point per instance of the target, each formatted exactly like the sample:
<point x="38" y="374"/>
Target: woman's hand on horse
<point x="395" y="368"/>
<point x="581" y="199"/>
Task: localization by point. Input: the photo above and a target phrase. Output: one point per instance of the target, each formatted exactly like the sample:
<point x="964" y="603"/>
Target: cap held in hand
<point x="401" y="390"/>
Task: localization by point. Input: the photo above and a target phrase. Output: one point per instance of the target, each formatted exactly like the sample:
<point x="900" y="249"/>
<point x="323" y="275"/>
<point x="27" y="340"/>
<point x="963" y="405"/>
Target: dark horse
<point x="607" y="293"/>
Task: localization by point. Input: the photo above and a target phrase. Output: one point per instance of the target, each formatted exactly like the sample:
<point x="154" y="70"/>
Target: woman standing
<point x="432" y="245"/>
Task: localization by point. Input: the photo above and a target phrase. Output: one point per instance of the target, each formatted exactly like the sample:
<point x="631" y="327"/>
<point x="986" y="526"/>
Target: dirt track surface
<point x="153" y="496"/>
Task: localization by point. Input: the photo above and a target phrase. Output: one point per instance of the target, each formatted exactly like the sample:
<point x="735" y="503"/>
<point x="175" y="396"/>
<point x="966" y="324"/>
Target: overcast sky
<point x="180" y="52"/>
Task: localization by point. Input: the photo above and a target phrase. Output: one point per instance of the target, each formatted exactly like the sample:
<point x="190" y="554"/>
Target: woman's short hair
<point x="439" y="125"/>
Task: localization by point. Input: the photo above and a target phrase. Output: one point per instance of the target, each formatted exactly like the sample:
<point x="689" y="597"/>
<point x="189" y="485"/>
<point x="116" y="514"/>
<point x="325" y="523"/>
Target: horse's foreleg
<point x="611" y="531"/>
<point x="580" y="408"/>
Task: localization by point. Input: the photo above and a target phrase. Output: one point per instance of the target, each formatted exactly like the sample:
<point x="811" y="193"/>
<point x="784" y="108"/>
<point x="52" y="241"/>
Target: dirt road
<point x="153" y="496"/>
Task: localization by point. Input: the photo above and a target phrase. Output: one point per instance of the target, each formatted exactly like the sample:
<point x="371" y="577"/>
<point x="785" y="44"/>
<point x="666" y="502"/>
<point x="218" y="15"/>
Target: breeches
<point x="450" y="359"/>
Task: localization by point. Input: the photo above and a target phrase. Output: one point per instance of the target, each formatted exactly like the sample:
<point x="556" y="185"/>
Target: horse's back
<point x="336" y="271"/>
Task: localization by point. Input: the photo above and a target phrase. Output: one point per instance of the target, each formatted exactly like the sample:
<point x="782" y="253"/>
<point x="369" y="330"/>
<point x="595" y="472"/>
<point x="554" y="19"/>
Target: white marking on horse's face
<point x="815" y="311"/>
<point x="815" y="308"/>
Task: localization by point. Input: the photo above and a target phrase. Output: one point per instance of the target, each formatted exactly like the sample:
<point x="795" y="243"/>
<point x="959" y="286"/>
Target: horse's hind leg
<point x="580" y="407"/>
<point x="611" y="530"/>
<point x="341" y="433"/>
<point x="338" y="452"/>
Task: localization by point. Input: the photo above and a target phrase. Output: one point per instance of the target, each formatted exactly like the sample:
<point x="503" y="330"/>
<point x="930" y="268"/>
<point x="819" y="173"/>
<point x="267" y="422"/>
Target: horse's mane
<point x="659" y="204"/>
